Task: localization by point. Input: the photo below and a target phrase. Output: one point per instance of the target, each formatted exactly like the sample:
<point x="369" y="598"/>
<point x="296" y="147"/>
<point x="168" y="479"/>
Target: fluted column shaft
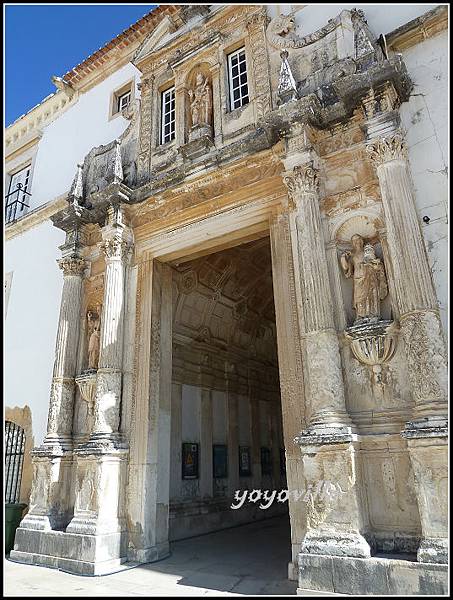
<point x="327" y="401"/>
<point x="415" y="294"/>
<point x="116" y="246"/>
<point x="59" y="423"/>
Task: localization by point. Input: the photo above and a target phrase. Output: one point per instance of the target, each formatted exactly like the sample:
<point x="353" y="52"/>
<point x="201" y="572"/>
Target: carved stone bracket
<point x="87" y="386"/>
<point x="373" y="344"/>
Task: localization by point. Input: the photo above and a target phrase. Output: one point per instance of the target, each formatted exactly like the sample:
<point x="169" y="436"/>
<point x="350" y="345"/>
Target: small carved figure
<point x="93" y="340"/>
<point x="201" y="102"/>
<point x="370" y="284"/>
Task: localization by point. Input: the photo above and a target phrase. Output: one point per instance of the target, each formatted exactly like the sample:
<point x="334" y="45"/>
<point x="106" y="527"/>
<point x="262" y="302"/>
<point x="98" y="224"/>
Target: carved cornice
<point x="424" y="27"/>
<point x="387" y="149"/>
<point x="73" y="265"/>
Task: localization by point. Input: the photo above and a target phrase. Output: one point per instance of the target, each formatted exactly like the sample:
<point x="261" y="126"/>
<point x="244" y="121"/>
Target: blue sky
<point x="44" y="40"/>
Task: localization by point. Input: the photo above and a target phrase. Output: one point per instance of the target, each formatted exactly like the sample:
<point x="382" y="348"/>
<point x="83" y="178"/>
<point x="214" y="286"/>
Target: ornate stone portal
<point x="293" y="162"/>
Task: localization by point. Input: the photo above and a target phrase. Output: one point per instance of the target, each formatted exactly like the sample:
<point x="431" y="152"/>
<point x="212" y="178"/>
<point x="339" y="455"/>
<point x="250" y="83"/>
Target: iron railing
<point x="14" y="460"/>
<point x="14" y="207"/>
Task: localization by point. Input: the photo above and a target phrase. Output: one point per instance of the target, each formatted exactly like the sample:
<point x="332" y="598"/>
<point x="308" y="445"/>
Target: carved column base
<point x="334" y="520"/>
<point x="427" y="441"/>
<point x="100" y="488"/>
<point x="326" y="405"/>
<point x="50" y="506"/>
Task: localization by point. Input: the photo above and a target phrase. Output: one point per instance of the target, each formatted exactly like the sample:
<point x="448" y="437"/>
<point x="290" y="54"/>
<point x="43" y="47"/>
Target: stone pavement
<point x="246" y="560"/>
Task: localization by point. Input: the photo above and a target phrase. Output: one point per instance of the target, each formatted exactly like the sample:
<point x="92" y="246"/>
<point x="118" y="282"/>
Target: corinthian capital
<point x="386" y="149"/>
<point x="116" y="248"/>
<point x="72" y="265"/>
<point x="302" y="179"/>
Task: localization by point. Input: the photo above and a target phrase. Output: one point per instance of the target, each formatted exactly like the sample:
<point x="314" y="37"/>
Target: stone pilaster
<point x="334" y="515"/>
<point x="423" y="340"/>
<point x="52" y="461"/>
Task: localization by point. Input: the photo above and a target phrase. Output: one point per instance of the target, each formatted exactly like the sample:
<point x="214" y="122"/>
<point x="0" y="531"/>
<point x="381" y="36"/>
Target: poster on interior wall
<point x="189" y="461"/>
<point x="245" y="467"/>
<point x="220" y="461"/>
<point x="282" y="462"/>
<point x="266" y="461"/>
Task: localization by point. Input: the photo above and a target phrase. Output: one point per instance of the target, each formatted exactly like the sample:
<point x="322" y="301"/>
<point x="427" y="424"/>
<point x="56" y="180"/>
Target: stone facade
<point x="156" y="234"/>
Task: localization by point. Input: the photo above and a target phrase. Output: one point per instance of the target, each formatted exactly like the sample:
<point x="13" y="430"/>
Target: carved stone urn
<point x="86" y="383"/>
<point x="373" y="344"/>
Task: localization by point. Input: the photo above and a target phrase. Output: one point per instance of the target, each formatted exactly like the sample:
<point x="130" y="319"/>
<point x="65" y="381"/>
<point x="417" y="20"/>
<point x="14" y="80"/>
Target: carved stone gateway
<point x="316" y="160"/>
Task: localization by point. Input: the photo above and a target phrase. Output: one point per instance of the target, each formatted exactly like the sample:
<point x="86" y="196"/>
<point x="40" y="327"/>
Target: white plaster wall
<point x="381" y="18"/>
<point x="31" y="321"/>
<point x="424" y="119"/>
<point x="69" y="138"/>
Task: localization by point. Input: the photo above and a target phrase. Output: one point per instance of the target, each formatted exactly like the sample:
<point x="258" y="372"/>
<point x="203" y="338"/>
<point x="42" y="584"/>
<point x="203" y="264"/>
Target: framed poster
<point x="282" y="462"/>
<point x="219" y="461"/>
<point x="189" y="460"/>
<point x="266" y="462"/>
<point x="245" y="467"/>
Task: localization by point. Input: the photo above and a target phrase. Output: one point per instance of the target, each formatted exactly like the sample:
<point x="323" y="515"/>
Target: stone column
<point x="327" y="407"/>
<point x="52" y="461"/>
<point x="329" y="456"/>
<point x="101" y="462"/>
<point x="116" y="246"/>
<point x="423" y="340"/>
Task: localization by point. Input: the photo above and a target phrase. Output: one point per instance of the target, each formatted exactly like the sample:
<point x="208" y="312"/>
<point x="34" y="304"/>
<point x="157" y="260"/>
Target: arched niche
<point x="368" y="224"/>
<point x="192" y="81"/>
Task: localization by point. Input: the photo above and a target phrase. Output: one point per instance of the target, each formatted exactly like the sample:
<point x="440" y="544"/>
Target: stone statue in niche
<point x="201" y="106"/>
<point x="94" y="323"/>
<point x="369" y="280"/>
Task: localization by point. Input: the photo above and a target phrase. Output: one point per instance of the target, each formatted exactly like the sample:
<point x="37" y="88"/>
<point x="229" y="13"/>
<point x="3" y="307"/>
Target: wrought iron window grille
<point x="16" y="203"/>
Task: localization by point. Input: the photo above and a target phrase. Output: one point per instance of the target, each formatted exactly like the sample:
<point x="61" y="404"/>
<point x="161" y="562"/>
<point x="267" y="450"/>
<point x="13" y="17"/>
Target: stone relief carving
<point x="426" y="356"/>
<point x="369" y="279"/>
<point x="281" y="32"/>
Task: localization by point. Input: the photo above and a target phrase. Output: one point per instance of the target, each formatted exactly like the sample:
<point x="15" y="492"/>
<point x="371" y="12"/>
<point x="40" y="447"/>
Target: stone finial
<point x="287" y="89"/>
<point x="77" y="191"/>
<point x="117" y="164"/>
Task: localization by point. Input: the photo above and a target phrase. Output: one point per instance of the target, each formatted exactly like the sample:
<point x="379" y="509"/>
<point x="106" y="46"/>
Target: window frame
<point x="172" y="122"/>
<point x="120" y="97"/>
<point x="117" y="94"/>
<point x="20" y="210"/>
<point x="231" y="89"/>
